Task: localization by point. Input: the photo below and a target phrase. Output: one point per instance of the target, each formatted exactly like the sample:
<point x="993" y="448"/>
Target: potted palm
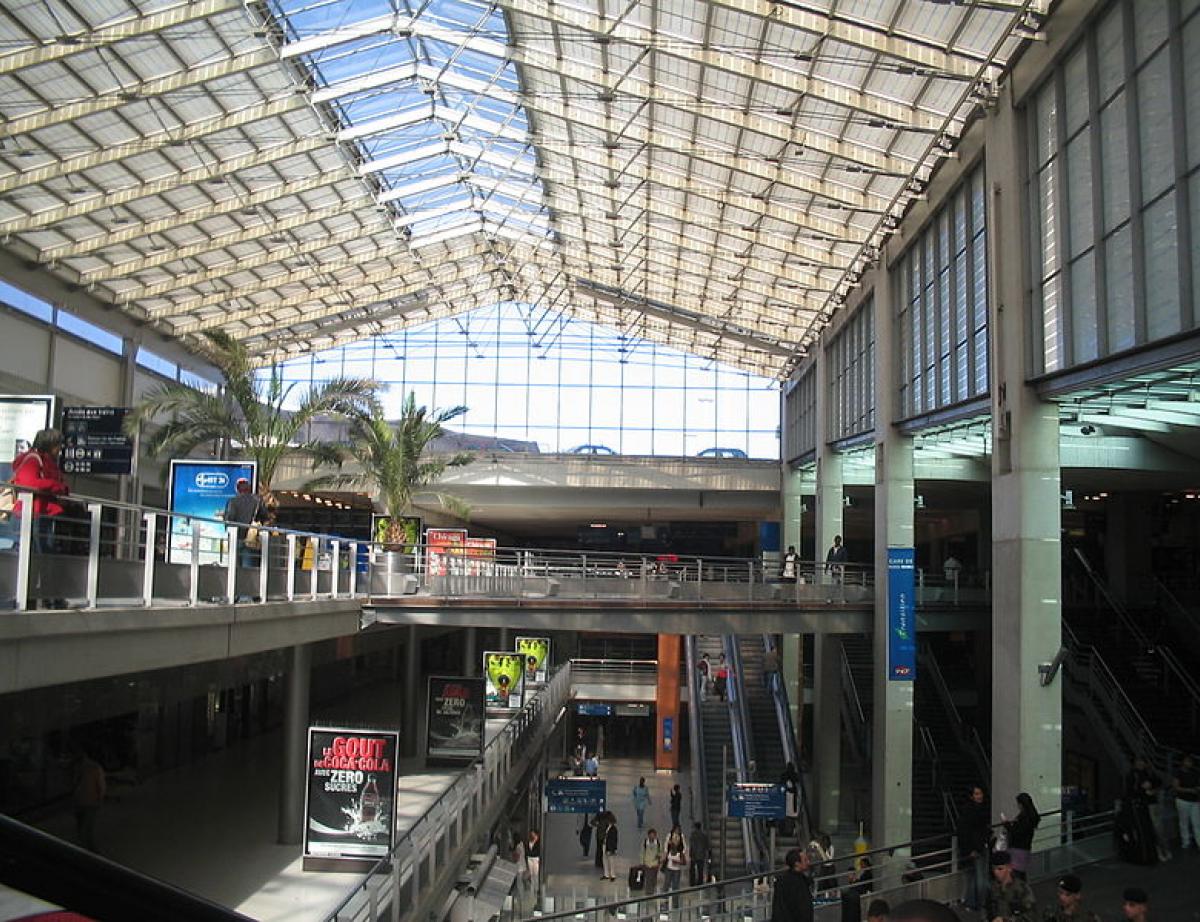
<point x="249" y="413"/>
<point x="392" y="463"/>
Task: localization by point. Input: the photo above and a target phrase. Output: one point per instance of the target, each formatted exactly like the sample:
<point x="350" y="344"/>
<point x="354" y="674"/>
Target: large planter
<point x="391" y="573"/>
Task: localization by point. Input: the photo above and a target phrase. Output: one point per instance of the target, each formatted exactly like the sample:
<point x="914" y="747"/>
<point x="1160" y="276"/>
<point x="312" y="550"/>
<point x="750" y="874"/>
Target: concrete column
<point x="795" y="486"/>
<point x="293" y="774"/>
<point x="791" y="657"/>
<point x="666" y="747"/>
<point x="1026" y="501"/>
<point x="414" y="692"/>
<point x="827" y="729"/>
<point x="793" y="509"/>
<point x="505" y="639"/>
<point x="470" y="652"/>
<point x="892" y="710"/>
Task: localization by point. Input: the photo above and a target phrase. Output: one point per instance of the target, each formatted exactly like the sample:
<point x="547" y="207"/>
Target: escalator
<point x="716" y="741"/>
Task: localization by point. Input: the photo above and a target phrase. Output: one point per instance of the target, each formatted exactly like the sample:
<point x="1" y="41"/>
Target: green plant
<point x="392" y="460"/>
<point x="249" y="413"/>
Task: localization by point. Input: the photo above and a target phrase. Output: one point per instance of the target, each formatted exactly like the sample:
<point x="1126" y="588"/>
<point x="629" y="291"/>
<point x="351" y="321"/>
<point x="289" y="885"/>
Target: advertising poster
<point x="411" y="525"/>
<point x="902" y="629"/>
<point x="202" y="488"/>
<point x="536" y="651"/>
<point x="350" y="807"/>
<point x="504" y="677"/>
<point x="21" y="417"/>
<point x="456" y="719"/>
<point x="440" y="545"/>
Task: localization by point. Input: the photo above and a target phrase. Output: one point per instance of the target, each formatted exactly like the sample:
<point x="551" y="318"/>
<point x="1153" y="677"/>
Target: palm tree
<point x="392" y="458"/>
<point x="249" y="412"/>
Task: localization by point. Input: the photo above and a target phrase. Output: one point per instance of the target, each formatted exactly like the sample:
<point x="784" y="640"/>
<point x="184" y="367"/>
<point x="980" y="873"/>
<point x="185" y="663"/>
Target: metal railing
<point x="965" y="734"/>
<point x="610" y="672"/>
<point x="743" y="746"/>
<point x="852" y="706"/>
<point x="425" y="858"/>
<point x="698" y="790"/>
<point x="787" y="736"/>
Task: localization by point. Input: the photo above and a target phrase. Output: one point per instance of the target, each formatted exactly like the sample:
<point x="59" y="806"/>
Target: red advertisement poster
<point x="440" y="545"/>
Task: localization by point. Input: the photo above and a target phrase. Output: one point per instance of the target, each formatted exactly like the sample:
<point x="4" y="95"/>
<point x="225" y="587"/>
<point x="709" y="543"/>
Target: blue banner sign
<point x="575" y="795"/>
<point x="902" y="627"/>
<point x="668" y="733"/>
<point x="749" y="801"/>
<point x="594" y="709"/>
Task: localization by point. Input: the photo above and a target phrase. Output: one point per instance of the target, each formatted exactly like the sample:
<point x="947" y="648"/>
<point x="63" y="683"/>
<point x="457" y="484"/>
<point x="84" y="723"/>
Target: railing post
<point x="151" y="521"/>
<point x="954" y="577"/>
<point x="290" y="593"/>
<point x="750" y="570"/>
<point x="352" y="579"/>
<point x="231" y="537"/>
<point x="24" y="548"/>
<point x="264" y="562"/>
<point x="584" y="570"/>
<point x="194" y="567"/>
<point x="335" y="560"/>
<point x="93" y="559"/>
<point x="316" y="569"/>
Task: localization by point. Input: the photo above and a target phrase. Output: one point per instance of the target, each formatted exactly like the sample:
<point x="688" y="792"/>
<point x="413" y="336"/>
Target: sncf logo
<point x="212" y="480"/>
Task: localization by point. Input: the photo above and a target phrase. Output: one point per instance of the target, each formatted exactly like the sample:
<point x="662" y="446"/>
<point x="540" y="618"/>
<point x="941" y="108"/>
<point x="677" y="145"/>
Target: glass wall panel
<point x="851" y="357"/>
<point x="941" y="306"/>
<point x="1114" y="144"/>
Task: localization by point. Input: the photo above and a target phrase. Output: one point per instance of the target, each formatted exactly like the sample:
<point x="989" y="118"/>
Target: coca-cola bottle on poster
<point x="368" y="808"/>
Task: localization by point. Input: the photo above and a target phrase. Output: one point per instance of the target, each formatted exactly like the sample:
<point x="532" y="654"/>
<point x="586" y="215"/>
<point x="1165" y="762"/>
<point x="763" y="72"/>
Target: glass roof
<point x="714" y="174"/>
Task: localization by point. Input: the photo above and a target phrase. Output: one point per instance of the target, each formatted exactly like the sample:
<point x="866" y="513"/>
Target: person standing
<point x="1009" y="898"/>
<point x="675" y="860"/>
<point x="704" y="669"/>
<point x="1070" y="902"/>
<point x="611" y="844"/>
<point x="641" y="800"/>
<point x="790" y="779"/>
<point x="974" y="837"/>
<point x="771" y="668"/>
<point x="676" y="806"/>
<point x="792" y="899"/>
<point x="89" y="794"/>
<point x="1186" y="785"/>
<point x="1020" y="833"/>
<point x="1142" y="789"/>
<point x="652" y="858"/>
<point x="791" y="563"/>
<point x="243" y="510"/>
<point x="533" y="858"/>
<point x="835" y="559"/>
<point x="601" y="824"/>
<point x="585" y="834"/>
<point x="698" y="849"/>
<point x="721" y="684"/>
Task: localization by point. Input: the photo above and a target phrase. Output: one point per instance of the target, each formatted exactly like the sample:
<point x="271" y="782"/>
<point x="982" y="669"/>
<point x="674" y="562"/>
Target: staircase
<point x="859" y="687"/>
<point x="717" y="737"/>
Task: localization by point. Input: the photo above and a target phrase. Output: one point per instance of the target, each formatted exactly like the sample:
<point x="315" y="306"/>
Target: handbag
<point x="8" y="502"/>
<point x="253" y="539"/>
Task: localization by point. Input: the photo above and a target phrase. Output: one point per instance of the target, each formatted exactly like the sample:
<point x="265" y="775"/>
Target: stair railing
<point x="1174" y="674"/>
<point x="929" y="747"/>
<point x="965" y="735"/>
<point x="743" y="750"/>
<point x="1186" y="619"/>
<point x="699" y="786"/>
<point x="852" y="702"/>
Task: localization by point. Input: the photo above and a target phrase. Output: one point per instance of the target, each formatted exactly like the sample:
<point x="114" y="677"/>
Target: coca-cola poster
<point x="456" y="719"/>
<point x="350" y="808"/>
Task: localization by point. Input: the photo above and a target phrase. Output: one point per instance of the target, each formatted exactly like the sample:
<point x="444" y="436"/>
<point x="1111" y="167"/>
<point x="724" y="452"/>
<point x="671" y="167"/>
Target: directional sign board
<point x="575" y="795"/>
<point x="750" y="801"/>
<point x="94" y="441"/>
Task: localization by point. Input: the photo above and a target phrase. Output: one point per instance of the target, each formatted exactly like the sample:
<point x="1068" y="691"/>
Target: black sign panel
<point x="456" y="719"/>
<point x="94" y="441"/>
<point x="351" y="805"/>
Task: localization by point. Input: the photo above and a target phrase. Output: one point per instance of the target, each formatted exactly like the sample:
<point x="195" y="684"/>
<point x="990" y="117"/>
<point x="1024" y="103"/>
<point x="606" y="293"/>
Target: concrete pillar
<point x="667" y="735"/>
<point x="827" y="729"/>
<point x="505" y="639"/>
<point x="470" y="652"/>
<point x="795" y="487"/>
<point x="793" y="509"/>
<point x="791" y="657"/>
<point x="1026" y="501"/>
<point x="892" y="710"/>
<point x="293" y="771"/>
<point x="414" y="693"/>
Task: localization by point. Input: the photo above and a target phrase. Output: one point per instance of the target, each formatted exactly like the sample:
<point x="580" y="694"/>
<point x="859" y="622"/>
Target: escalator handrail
<point x="787" y="736"/>
<point x="739" y="719"/>
<point x="699" y="785"/>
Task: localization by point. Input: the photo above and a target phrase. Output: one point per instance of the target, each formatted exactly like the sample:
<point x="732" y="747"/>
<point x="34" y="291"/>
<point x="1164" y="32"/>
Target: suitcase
<point x="637" y="877"/>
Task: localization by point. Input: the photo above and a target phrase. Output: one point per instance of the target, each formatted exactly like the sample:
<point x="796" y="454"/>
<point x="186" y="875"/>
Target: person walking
<point x="675" y="860"/>
<point x="612" y="842"/>
<point x="792" y="899"/>
<point x="1186" y="785"/>
<point x="90" y="790"/>
<point x="676" y="806"/>
<point x="585" y="834"/>
<point x="974" y="837"/>
<point x="1070" y="902"/>
<point x="533" y="859"/>
<point x="641" y="800"/>
<point x="698" y="850"/>
<point x="1009" y="898"/>
<point x="1020" y="833"/>
<point x="1142" y="790"/>
<point x="601" y="824"/>
<point x="652" y="858"/>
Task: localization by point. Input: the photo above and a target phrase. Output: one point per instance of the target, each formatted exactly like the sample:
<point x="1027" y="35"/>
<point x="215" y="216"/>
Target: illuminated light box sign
<point x="536" y="651"/>
<point x="21" y="418"/>
<point x="455" y="728"/>
<point x="504" y="677"/>
<point x="350" y="807"/>
<point x="202" y="488"/>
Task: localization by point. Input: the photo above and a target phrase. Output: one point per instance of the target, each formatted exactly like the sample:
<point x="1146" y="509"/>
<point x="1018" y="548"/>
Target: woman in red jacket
<point x="37" y="469"/>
